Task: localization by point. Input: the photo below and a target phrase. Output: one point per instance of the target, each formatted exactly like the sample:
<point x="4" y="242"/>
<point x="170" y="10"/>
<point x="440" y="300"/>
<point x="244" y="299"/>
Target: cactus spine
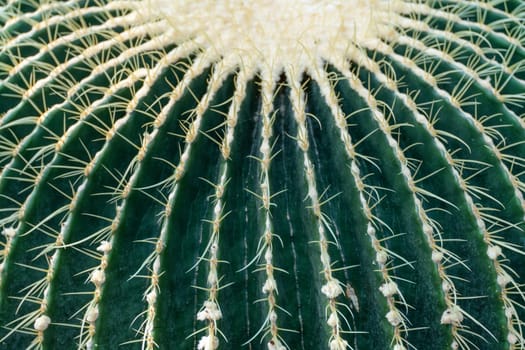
<point x="276" y="175"/>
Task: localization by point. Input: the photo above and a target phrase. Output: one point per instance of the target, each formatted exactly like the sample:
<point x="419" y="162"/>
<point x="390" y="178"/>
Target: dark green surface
<point x="141" y="216"/>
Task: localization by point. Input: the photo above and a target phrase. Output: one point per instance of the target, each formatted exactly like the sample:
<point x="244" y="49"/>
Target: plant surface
<point x="262" y="175"/>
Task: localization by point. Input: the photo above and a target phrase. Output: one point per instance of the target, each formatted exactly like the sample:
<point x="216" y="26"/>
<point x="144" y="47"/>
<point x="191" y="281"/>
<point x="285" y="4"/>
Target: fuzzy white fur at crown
<point x="277" y="33"/>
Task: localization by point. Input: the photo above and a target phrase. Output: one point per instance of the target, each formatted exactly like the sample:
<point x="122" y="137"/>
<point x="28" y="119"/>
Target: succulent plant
<point x="263" y="175"/>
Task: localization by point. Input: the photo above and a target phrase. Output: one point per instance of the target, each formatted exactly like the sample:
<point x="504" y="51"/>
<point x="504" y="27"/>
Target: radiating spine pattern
<point x="278" y="175"/>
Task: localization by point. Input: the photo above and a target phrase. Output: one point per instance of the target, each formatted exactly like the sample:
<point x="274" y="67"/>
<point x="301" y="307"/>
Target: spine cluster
<point x="330" y="188"/>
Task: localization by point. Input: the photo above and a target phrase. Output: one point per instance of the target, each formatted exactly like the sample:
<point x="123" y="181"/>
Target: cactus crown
<point x="279" y="174"/>
<point x="275" y="34"/>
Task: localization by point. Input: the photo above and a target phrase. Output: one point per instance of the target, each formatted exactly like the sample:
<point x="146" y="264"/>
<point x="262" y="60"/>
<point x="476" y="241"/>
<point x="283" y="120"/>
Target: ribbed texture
<point x="154" y="195"/>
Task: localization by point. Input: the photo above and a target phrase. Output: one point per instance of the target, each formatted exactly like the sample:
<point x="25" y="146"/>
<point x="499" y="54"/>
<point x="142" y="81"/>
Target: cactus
<point x="274" y="175"/>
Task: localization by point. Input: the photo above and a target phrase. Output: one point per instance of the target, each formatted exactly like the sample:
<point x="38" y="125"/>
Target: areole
<point x="262" y="174"/>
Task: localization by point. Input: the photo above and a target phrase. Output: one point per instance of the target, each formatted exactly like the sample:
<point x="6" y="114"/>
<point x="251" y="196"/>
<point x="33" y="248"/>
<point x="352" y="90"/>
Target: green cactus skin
<point x="164" y="193"/>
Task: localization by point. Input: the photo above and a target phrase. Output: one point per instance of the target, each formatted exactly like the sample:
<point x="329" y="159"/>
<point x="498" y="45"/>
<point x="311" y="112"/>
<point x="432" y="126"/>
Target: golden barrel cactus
<point x="272" y="174"/>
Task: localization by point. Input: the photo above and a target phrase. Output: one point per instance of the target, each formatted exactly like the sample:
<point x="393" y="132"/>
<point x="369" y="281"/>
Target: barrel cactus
<point x="264" y="175"/>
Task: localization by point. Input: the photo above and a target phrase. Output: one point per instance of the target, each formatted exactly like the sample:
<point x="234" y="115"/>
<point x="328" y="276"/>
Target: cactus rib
<point x="332" y="174"/>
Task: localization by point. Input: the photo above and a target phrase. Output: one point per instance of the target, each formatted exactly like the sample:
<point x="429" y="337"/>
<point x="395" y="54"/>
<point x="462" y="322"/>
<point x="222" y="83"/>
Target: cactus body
<point x="346" y="175"/>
